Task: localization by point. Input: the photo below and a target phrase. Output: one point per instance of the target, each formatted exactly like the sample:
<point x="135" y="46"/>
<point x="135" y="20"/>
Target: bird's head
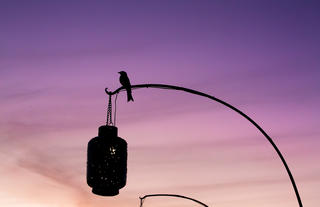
<point x="122" y="73"/>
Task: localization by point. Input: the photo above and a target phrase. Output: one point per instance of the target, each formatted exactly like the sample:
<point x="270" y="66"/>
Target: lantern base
<point x="105" y="192"/>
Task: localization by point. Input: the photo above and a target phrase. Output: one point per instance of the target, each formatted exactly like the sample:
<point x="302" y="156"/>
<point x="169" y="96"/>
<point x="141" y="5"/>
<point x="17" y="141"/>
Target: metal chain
<point x="109" y="112"/>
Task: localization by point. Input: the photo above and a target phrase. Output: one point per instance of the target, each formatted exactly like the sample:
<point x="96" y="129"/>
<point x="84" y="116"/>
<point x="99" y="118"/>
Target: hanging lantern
<point x="107" y="162"/>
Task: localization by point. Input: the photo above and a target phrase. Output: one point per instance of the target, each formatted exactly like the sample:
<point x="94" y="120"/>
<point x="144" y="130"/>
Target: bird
<point x="125" y="82"/>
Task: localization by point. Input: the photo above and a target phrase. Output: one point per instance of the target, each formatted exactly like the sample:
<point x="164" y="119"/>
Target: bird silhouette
<point x="125" y="82"/>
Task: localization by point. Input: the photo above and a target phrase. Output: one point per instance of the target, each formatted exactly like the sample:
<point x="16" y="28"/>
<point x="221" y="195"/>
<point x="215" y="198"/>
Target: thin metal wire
<point x="115" y="109"/>
<point x="171" y="87"/>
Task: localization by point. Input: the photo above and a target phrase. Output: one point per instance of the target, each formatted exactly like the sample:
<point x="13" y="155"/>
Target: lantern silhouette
<point x="107" y="162"/>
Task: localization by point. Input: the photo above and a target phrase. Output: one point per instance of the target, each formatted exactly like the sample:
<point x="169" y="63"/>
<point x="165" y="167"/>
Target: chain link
<point x="109" y="112"/>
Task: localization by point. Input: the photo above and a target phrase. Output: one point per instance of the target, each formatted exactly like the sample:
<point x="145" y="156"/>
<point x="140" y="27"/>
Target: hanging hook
<point x="110" y="93"/>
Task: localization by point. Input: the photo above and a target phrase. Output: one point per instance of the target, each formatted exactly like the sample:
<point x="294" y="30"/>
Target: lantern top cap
<point x="108" y="131"/>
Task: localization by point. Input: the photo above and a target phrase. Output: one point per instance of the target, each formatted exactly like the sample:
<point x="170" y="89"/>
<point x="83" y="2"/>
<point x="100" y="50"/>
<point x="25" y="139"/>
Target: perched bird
<point x="125" y="82"/>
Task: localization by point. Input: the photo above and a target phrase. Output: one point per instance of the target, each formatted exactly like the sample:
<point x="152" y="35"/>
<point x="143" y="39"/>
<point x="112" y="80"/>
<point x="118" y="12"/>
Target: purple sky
<point x="261" y="56"/>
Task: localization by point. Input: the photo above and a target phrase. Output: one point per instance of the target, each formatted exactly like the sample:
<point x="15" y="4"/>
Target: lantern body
<point x="107" y="162"/>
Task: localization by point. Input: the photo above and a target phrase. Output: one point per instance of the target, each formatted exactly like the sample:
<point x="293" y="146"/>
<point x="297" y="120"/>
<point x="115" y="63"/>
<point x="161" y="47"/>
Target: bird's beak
<point x="119" y="72"/>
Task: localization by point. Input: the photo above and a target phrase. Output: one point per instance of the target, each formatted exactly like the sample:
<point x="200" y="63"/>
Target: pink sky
<point x="260" y="56"/>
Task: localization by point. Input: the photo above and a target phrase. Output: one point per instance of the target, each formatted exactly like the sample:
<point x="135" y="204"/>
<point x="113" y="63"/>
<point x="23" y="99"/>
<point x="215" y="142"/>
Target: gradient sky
<point x="261" y="56"/>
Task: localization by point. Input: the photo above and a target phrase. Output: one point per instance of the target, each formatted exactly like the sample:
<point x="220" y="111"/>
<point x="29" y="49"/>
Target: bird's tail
<point x="129" y="95"/>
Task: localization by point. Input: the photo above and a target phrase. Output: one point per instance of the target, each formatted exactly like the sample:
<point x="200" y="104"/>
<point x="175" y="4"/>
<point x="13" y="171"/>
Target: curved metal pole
<point x="171" y="195"/>
<point x="163" y="86"/>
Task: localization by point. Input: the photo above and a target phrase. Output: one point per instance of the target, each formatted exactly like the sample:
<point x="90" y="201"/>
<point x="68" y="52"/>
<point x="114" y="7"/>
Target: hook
<point x="110" y="93"/>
